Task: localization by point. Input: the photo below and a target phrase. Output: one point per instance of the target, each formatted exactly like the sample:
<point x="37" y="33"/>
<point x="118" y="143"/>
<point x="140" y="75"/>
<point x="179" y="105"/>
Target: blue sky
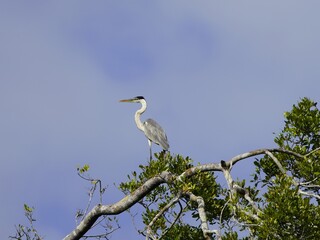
<point x="217" y="76"/>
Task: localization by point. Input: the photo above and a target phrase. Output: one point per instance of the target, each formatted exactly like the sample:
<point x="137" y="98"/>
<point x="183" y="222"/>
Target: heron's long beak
<point x="125" y="100"/>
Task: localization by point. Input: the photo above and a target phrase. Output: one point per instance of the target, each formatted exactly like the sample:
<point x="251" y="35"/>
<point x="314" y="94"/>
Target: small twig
<point x="175" y="220"/>
<point x="313" y="151"/>
<point x="95" y="182"/>
<point x="133" y="221"/>
<point x="222" y="210"/>
<point x="309" y="194"/>
<point x="160" y="213"/>
<point x="104" y="235"/>
<point x="292" y="180"/>
<point x="308" y="183"/>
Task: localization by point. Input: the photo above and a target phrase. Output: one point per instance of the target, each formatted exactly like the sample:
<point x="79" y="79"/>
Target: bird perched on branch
<point x="150" y="127"/>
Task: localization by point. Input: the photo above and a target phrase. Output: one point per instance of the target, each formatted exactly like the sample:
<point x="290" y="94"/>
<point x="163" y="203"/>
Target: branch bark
<point x="202" y="214"/>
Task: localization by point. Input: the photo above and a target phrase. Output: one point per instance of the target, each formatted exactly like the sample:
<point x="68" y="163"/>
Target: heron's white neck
<point x="138" y="114"/>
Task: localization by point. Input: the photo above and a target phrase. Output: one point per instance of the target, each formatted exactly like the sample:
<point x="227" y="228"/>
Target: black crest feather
<point x="139" y="97"/>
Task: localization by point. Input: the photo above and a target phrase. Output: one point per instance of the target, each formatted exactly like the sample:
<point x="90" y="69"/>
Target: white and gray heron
<point x="150" y="127"/>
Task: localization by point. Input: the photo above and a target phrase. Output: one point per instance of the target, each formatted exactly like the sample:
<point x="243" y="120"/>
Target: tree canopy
<point x="183" y="200"/>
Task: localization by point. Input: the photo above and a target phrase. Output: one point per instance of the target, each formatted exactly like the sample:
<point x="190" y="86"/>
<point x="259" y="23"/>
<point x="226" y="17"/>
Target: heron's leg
<point x="150" y="149"/>
<point x="150" y="153"/>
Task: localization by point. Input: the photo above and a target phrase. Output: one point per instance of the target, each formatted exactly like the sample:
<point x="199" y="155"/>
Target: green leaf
<point x="27" y="208"/>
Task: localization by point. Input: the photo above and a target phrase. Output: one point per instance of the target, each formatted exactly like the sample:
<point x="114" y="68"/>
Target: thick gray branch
<point x="118" y="207"/>
<point x="202" y="214"/>
<point x="237" y="158"/>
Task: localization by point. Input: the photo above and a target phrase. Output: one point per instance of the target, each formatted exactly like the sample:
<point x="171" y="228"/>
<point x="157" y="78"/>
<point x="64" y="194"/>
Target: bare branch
<point x="242" y="191"/>
<point x="202" y="168"/>
<point x="309" y="194"/>
<point x="160" y="213"/>
<point x="309" y="185"/>
<point x="175" y="220"/>
<point x="237" y="158"/>
<point x="246" y="195"/>
<point x="313" y="151"/>
<point x="276" y="161"/>
<point x="202" y="214"/>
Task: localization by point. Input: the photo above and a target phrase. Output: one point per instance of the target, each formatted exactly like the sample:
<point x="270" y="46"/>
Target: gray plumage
<point x="152" y="130"/>
<point x="155" y="133"/>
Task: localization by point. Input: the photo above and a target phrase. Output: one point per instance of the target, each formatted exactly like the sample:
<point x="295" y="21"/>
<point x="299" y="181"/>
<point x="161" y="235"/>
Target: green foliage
<point x="287" y="213"/>
<point x="302" y="126"/>
<point x="230" y="236"/>
<point x="83" y="169"/>
<point x="203" y="184"/>
<point x="301" y="134"/>
<point x="27" y="209"/>
<point x="184" y="231"/>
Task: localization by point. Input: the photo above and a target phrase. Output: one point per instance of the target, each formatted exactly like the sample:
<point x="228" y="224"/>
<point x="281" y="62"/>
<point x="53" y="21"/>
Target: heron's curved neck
<point x="138" y="114"/>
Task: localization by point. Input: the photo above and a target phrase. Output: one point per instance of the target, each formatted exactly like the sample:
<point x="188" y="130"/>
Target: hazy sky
<point x="217" y="76"/>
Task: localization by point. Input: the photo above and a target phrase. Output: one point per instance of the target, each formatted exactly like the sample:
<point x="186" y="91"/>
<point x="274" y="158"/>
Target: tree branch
<point x="118" y="207"/>
<point x="293" y="181"/>
<point x="160" y="213"/>
<point x="237" y="158"/>
<point x="202" y="214"/>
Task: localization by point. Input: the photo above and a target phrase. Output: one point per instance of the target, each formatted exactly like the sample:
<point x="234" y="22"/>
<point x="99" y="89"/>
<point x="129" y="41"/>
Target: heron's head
<point x="137" y="99"/>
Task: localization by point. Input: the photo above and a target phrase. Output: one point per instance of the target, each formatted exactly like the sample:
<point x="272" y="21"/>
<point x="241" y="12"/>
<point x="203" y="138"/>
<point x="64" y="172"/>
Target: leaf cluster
<point x="200" y="184"/>
<point x="287" y="215"/>
<point x="301" y="134"/>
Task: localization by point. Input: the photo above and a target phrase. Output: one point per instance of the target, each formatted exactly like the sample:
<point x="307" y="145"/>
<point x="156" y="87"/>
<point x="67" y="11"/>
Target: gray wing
<point x="155" y="133"/>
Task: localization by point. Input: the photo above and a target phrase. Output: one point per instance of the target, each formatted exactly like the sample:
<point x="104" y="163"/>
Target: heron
<point x="152" y="130"/>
